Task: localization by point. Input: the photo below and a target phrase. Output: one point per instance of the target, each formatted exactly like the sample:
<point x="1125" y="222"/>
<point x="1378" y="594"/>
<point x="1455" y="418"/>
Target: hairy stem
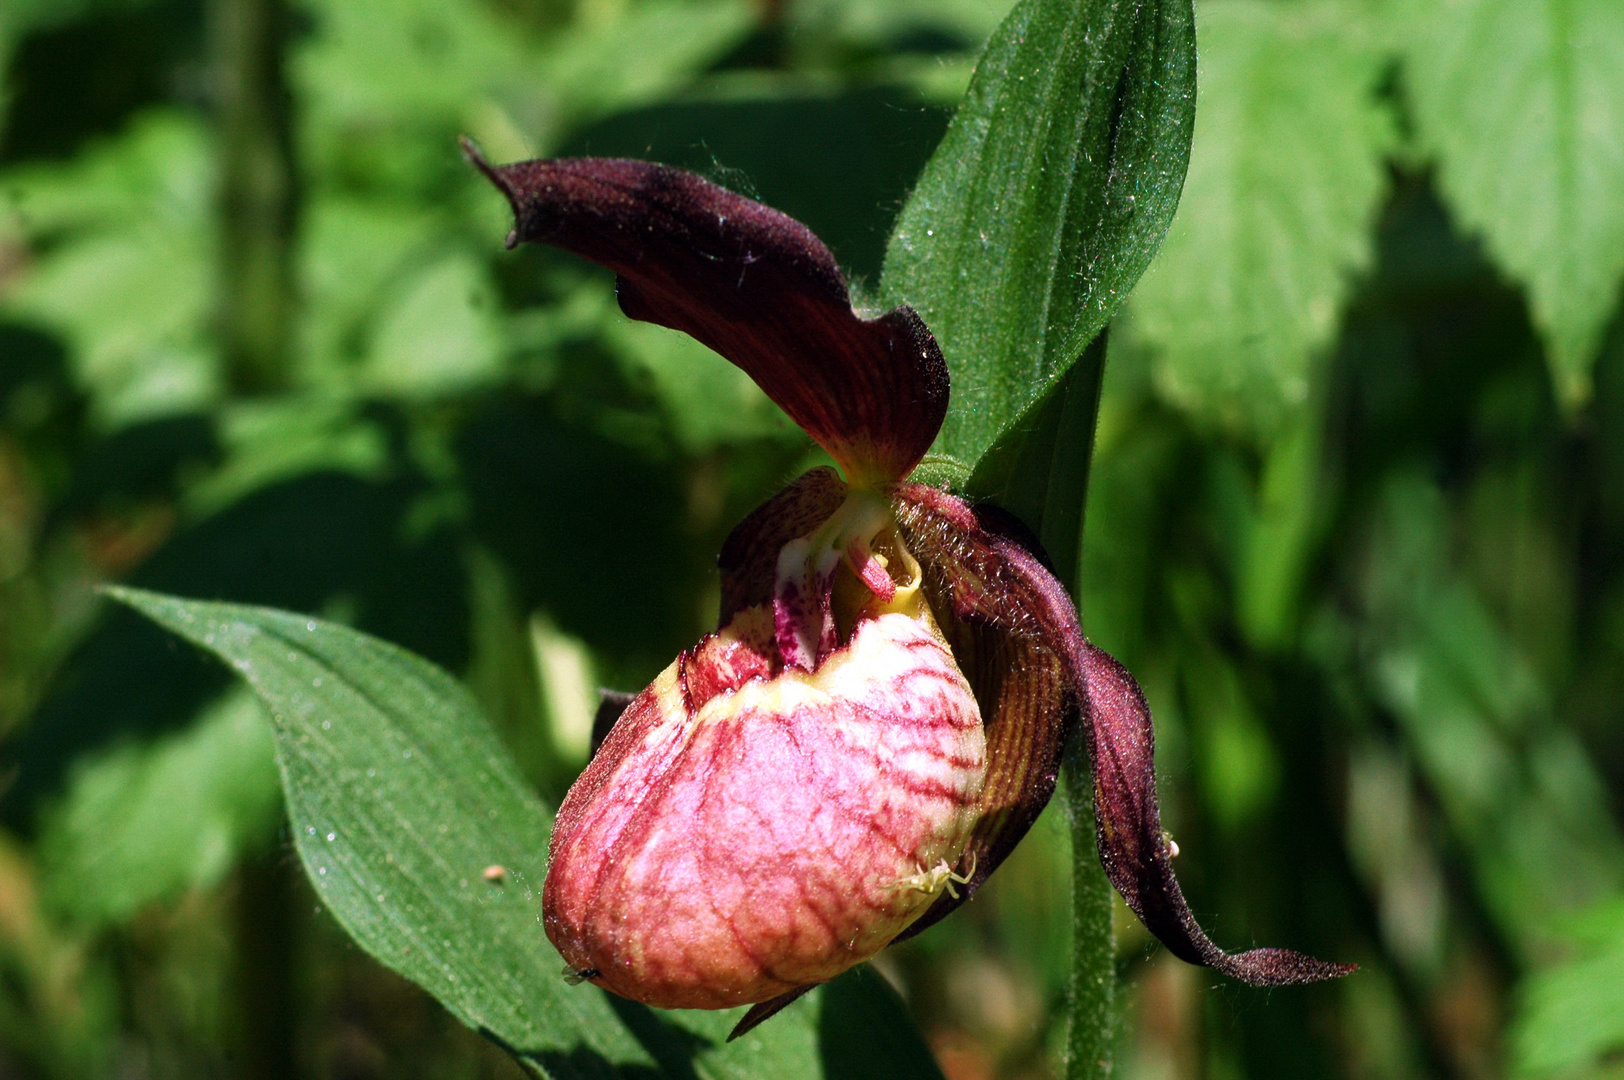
<point x="1093" y="958"/>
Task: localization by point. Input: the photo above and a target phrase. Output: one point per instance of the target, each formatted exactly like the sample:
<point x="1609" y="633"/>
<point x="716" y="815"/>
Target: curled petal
<point x="749" y="557"/>
<point x="1008" y="629"/>
<point x="1015" y="634"/>
<point x="1132" y="846"/>
<point x="753" y="284"/>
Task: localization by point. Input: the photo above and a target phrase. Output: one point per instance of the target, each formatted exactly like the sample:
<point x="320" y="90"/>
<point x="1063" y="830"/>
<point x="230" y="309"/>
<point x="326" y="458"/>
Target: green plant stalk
<point x="257" y="196"/>
<point x="1039" y="472"/>
<point x="1093" y="959"/>
<point x="257" y="207"/>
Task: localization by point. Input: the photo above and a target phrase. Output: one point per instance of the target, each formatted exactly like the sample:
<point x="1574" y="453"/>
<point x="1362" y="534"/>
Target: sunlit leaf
<point x="1521" y="102"/>
<point x="438" y="334"/>
<point x="354" y="256"/>
<point x="641" y="53"/>
<point x="1046" y="199"/>
<point x="126" y="271"/>
<point x="377" y="71"/>
<point x="1568" y="1015"/>
<point x="142" y="824"/>
<point x="1286" y="177"/>
<point x="418" y="834"/>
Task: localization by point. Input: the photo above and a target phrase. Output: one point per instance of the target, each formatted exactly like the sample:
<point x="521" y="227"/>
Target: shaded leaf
<point x="1046" y="199"/>
<point x="1517" y="788"/>
<point x="1521" y="102"/>
<point x="1286" y="177"/>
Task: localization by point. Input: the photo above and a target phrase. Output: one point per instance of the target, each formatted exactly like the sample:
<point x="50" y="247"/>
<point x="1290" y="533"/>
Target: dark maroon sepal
<point x="768" y="1009"/>
<point x="755" y="285"/>
<point x="1134" y="850"/>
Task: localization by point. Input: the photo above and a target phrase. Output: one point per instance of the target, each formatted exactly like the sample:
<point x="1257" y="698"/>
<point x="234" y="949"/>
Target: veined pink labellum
<point x="751" y="827"/>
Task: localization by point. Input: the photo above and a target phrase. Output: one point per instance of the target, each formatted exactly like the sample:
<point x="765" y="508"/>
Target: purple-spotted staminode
<point x="880" y="716"/>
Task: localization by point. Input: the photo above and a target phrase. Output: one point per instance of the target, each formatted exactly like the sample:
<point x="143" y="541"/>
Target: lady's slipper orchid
<point x="881" y="714"/>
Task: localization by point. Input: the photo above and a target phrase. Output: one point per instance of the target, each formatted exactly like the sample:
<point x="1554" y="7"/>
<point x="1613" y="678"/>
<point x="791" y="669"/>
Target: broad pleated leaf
<point x="1286" y="177"/>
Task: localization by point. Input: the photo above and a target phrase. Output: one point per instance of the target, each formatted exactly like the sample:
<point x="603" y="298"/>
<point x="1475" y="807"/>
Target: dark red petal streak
<point x="749" y="557"/>
<point x="1014" y="632"/>
<point x="746" y="831"/>
<point x="755" y="285"/>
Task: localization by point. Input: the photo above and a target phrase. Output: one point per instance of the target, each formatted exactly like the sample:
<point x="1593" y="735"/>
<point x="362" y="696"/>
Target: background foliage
<point x="1355" y="520"/>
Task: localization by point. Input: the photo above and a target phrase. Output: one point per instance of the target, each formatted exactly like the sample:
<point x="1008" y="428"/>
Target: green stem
<point x="265" y="973"/>
<point x="257" y="191"/>
<point x="1093" y="957"/>
<point x="1040" y="473"/>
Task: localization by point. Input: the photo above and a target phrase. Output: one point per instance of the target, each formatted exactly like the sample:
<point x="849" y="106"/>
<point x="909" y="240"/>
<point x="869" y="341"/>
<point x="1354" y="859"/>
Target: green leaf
<point x="1517" y="788"/>
<point x="400" y="797"/>
<point x="1521" y="102"/>
<point x="439" y="335"/>
<point x="643" y="53"/>
<point x="706" y="400"/>
<point x="1568" y="1014"/>
<point x="1283" y="535"/>
<point x="1038" y="469"/>
<point x="386" y="67"/>
<point x="1046" y="199"/>
<point x="141" y="824"/>
<point x="1286" y="178"/>
<point x="125" y="267"/>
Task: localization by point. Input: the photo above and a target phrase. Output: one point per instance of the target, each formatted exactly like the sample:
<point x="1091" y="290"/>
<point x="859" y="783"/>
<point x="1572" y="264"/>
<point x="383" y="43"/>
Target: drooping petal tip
<point x="1133" y="848"/>
<point x="753" y="284"/>
<point x="1015" y="634"/>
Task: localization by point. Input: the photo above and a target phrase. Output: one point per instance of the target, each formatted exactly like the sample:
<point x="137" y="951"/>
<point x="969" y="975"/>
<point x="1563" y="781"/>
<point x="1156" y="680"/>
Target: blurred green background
<point x="1356" y="522"/>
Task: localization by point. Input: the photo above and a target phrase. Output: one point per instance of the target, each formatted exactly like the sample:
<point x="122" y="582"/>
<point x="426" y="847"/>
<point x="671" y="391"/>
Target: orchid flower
<point x="881" y="714"/>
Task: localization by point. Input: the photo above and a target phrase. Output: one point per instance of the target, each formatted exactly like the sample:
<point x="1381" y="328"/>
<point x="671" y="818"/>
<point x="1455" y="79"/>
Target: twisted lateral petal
<point x="755" y="285"/>
<point x="1015" y="634"/>
<point x="1008" y="622"/>
<point x="1132" y="846"/>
